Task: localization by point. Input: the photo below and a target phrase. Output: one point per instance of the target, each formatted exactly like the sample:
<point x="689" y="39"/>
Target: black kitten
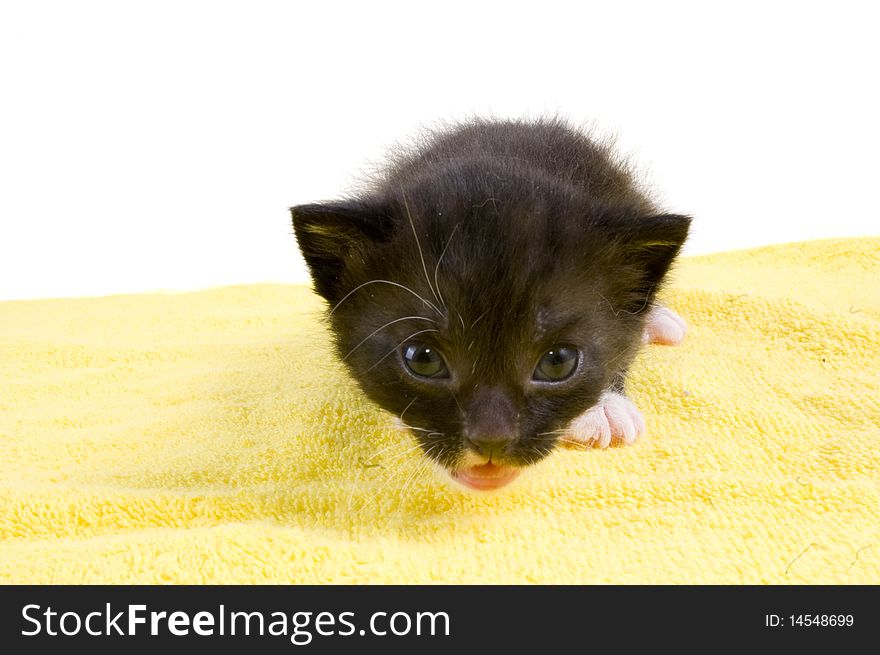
<point x="492" y="288"/>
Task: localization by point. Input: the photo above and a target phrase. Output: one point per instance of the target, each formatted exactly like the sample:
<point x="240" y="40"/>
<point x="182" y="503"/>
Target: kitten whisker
<point x="373" y="456"/>
<point x="400" y="418"/>
<point x="437" y="267"/>
<point x="617" y="312"/>
<point x="427" y="461"/>
<point x="393" y="474"/>
<point x="387" y="448"/>
<point x="397" y="459"/>
<point x="617" y="356"/>
<point x="376" y="331"/>
<point x="393" y="350"/>
<point x="420" y="468"/>
<point x="351" y="493"/>
<point x="423" y="464"/>
<point x="412" y="427"/>
<point x="644" y="304"/>
<point x="396" y="284"/>
<point x="479" y="318"/>
<point x="613" y="309"/>
<point x="419" y="246"/>
<point x="457" y="403"/>
<point x="552" y="432"/>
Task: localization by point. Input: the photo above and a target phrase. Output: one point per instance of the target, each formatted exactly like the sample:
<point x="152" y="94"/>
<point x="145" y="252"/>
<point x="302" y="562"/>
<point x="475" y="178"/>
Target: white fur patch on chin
<point x="613" y="418"/>
<point x="664" y="326"/>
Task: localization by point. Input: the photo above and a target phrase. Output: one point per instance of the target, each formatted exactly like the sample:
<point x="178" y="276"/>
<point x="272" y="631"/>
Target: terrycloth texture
<point x="210" y="437"/>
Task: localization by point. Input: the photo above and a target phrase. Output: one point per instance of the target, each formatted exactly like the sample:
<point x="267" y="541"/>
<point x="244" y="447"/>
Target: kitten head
<point x="487" y="306"/>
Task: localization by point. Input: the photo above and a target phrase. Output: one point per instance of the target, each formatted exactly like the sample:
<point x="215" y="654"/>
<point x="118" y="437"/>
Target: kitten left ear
<point x="329" y="234"/>
<point x="647" y="247"/>
<point x="655" y="241"/>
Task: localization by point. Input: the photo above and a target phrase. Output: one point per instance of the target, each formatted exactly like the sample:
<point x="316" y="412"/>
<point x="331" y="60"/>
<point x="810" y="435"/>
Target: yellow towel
<point x="211" y="437"/>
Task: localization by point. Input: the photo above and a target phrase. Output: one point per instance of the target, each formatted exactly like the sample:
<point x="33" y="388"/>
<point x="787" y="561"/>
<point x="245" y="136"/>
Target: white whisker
<point x="396" y="472"/>
<point x="410" y="448"/>
<point x="617" y="356"/>
<point x="613" y="309"/>
<point x="552" y="432"/>
<point x="393" y="350"/>
<point x="412" y="476"/>
<point x="457" y="403"/>
<point x="373" y="456"/>
<point x="412" y="427"/>
<point x="374" y="332"/>
<point x="479" y="318"/>
<point x="396" y="284"/>
<point x="617" y="312"/>
<point x="406" y="408"/>
<point x="423" y="465"/>
<point x="419" y="246"/>
<point x="437" y="267"/>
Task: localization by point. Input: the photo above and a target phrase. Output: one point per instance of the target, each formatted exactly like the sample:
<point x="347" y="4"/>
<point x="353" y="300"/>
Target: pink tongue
<point x="487" y="470"/>
<point x="486" y="476"/>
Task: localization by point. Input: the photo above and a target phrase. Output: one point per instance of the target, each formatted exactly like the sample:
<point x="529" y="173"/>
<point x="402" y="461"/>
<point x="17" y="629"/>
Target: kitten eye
<point x="425" y="362"/>
<point x="557" y="364"/>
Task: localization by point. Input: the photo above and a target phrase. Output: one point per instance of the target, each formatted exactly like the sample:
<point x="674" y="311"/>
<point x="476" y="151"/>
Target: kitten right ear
<point x="329" y="233"/>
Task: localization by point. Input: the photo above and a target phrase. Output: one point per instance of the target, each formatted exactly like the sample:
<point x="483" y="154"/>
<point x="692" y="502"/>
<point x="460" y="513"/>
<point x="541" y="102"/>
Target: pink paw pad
<point x="614" y="418"/>
<point x="665" y="327"/>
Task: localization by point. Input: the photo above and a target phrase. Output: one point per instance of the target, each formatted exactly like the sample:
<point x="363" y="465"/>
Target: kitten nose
<point x="491" y="422"/>
<point x="489" y="446"/>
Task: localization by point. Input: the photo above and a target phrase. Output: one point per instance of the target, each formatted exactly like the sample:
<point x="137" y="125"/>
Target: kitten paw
<point x="614" y="418"/>
<point x="664" y="326"/>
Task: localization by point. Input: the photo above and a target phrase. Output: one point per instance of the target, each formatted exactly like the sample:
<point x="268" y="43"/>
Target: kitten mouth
<point x="485" y="477"/>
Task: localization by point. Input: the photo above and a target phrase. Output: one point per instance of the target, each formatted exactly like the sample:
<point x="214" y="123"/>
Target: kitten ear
<point x="654" y="242"/>
<point x="328" y="234"/>
<point x="645" y="248"/>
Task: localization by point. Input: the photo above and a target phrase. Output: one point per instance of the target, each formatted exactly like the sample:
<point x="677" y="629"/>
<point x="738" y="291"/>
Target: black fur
<point x="544" y="240"/>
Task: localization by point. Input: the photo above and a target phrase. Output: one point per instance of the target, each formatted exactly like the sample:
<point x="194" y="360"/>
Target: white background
<point x="157" y="145"/>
